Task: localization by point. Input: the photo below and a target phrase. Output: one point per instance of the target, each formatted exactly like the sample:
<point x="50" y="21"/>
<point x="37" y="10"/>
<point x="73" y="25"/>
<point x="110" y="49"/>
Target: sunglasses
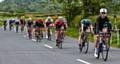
<point x="104" y="13"/>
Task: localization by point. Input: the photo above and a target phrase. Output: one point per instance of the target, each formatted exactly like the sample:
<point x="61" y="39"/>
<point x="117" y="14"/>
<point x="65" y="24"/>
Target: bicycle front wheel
<point x="105" y="50"/>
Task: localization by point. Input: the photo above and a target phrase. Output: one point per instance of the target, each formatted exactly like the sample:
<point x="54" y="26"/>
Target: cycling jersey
<point x="48" y="22"/>
<point x="86" y="24"/>
<point x="5" y="22"/>
<point x="30" y="23"/>
<point x="39" y="23"/>
<point x="11" y="21"/>
<point x="22" y="22"/>
<point x="17" y="22"/>
<point x="99" y="25"/>
<point x="59" y="24"/>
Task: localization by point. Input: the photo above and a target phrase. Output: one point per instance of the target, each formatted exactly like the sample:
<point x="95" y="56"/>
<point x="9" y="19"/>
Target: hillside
<point x="29" y="6"/>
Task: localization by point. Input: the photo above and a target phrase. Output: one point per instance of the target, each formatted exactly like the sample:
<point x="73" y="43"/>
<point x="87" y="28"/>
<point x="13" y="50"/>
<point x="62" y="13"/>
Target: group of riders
<point x="102" y="24"/>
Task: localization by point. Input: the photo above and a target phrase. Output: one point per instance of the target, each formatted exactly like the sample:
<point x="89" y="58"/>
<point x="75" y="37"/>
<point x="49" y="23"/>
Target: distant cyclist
<point x="22" y="23"/>
<point x="85" y="26"/>
<point x="48" y="23"/>
<point x="39" y="25"/>
<point x="5" y="24"/>
<point x="11" y="23"/>
<point x="60" y="25"/>
<point x="30" y="27"/>
<point x="17" y="23"/>
<point x="102" y="25"/>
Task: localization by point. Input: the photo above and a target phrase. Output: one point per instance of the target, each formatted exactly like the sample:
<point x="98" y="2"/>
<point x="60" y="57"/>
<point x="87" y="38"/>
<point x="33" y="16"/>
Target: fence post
<point x="118" y="37"/>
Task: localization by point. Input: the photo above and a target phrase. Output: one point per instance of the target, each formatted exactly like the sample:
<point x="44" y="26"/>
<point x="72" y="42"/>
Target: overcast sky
<point x="1" y="0"/>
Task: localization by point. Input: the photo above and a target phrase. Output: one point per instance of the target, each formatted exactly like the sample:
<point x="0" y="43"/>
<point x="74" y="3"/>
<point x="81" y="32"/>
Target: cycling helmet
<point x="60" y="17"/>
<point x="103" y="10"/>
<point x="39" y="20"/>
<point x="30" y="18"/>
<point x="48" y="17"/>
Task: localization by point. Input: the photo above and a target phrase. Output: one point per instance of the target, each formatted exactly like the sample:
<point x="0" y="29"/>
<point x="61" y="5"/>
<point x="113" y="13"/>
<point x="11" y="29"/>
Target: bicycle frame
<point x="103" y="46"/>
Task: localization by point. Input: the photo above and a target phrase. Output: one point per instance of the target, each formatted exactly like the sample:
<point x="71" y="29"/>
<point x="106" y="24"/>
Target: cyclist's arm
<point x="82" y="27"/>
<point x="91" y="28"/>
<point x="97" y="26"/>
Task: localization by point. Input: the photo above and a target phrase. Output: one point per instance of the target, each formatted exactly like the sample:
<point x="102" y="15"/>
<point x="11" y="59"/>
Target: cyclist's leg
<point x="107" y="40"/>
<point x="96" y="45"/>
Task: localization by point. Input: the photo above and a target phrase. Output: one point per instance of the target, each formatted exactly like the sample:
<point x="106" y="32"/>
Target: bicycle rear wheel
<point x="16" y="29"/>
<point x="105" y="50"/>
<point x="85" y="46"/>
<point x="49" y="35"/>
<point x="80" y="45"/>
<point x="60" y="45"/>
<point x="99" y="51"/>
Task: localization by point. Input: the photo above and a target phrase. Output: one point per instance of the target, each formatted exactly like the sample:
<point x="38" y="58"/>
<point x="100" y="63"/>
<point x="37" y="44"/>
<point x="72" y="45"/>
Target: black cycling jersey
<point x="99" y="24"/>
<point x="86" y="23"/>
<point x="39" y="24"/>
<point x="30" y="23"/>
<point x="5" y="22"/>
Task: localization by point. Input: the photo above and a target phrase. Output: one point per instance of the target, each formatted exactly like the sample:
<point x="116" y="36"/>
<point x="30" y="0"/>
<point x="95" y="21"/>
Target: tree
<point x="71" y="8"/>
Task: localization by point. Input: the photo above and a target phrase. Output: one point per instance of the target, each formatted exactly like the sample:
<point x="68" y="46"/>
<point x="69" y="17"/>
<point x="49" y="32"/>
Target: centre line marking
<point x="83" y="61"/>
<point x="48" y="46"/>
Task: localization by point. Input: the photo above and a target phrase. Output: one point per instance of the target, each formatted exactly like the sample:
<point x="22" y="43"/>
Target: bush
<point x="72" y="32"/>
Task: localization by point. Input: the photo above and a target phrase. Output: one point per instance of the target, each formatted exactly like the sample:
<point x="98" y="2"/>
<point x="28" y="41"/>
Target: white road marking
<point x="48" y="46"/>
<point x="25" y="36"/>
<point x="83" y="61"/>
<point x="33" y="40"/>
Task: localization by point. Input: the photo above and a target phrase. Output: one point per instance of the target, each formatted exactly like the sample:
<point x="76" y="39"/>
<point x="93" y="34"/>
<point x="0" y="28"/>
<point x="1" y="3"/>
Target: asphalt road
<point x="16" y="48"/>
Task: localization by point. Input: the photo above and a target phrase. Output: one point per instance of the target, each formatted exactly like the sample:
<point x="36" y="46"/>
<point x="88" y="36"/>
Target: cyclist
<point x="22" y="23"/>
<point x="30" y="22"/>
<point x="85" y="26"/>
<point x="5" y="24"/>
<point x="17" y="22"/>
<point x="48" y="23"/>
<point x="11" y="23"/>
<point x="102" y="25"/>
<point x="30" y="26"/>
<point x="39" y="25"/>
<point x="60" y="25"/>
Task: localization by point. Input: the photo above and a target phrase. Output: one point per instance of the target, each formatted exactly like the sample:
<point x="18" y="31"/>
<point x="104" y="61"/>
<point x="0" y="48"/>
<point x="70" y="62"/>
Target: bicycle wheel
<point x="99" y="51"/>
<point x="10" y="27"/>
<point x="30" y="35"/>
<point x="60" y="45"/>
<point x="21" y="29"/>
<point x="16" y="29"/>
<point x="49" y="35"/>
<point x="104" y="51"/>
<point x="85" y="46"/>
<point x="4" y="28"/>
<point x="80" y="45"/>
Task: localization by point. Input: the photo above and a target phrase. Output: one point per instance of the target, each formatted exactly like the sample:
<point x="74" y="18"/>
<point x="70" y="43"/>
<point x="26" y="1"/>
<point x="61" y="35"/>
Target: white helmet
<point x="48" y="17"/>
<point x="30" y="18"/>
<point x="60" y="17"/>
<point x="103" y="10"/>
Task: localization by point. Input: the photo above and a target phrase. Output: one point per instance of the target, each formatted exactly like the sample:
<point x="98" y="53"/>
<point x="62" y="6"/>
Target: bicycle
<point x="103" y="47"/>
<point x="5" y="27"/>
<point x="22" y="28"/>
<point x="49" y="33"/>
<point x="38" y="35"/>
<point x="59" y="39"/>
<point x="17" y="27"/>
<point x="30" y="32"/>
<point x="10" y="26"/>
<point x="84" y="43"/>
